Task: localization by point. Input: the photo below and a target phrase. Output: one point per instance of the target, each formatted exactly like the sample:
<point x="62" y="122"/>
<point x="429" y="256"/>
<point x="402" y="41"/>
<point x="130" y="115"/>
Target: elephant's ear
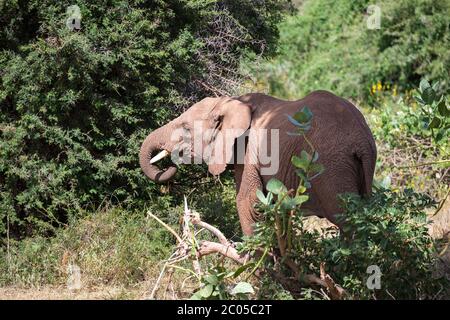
<point x="235" y="117"/>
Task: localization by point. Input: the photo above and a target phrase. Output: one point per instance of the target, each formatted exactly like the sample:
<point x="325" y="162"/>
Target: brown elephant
<point x="338" y="132"/>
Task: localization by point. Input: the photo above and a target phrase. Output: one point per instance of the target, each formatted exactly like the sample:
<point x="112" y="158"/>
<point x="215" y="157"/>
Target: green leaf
<point x="306" y="156"/>
<point x="305" y="126"/>
<point x="242" y="288"/>
<point x="261" y="197"/>
<point x="436" y="86"/>
<point x="443" y="108"/>
<point x="315" y="156"/>
<point x="386" y="182"/>
<point x="418" y="98"/>
<point x="303" y="116"/>
<point x="206" y="291"/>
<point x="288" y="203"/>
<point x="299" y="162"/>
<point x="196" y="296"/>
<point x="424" y="85"/>
<point x="301" y="189"/>
<point x="291" y="203"/>
<point x="276" y="186"/>
<point x="269" y="198"/>
<point x="316" y="169"/>
<point x="301" y="199"/>
<point x="242" y="269"/>
<point x="428" y="94"/>
<point x="440" y="135"/>
<point x="211" y="279"/>
<point x="435" y="123"/>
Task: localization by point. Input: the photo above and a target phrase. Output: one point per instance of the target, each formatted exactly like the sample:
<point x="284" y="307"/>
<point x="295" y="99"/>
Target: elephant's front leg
<point x="248" y="181"/>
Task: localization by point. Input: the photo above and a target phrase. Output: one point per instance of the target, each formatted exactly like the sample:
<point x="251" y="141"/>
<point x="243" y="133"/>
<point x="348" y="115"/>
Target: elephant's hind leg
<point x="327" y="189"/>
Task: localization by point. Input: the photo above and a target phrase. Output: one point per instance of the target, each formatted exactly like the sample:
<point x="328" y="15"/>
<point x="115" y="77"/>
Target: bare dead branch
<point x="208" y="247"/>
<point x="222" y="239"/>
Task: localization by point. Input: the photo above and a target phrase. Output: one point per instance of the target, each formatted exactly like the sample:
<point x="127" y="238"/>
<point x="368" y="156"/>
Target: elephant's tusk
<point x="159" y="156"/>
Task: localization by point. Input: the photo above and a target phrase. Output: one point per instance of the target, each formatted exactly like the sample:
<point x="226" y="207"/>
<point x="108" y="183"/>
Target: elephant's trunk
<point x="154" y="143"/>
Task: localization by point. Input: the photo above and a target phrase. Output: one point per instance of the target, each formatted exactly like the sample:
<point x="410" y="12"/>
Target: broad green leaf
<point x="291" y="203"/>
<point x="435" y="123"/>
<point x="301" y="199"/>
<point x="242" y="288"/>
<point x="293" y="121"/>
<point x="301" y="189"/>
<point x="288" y="203"/>
<point x="303" y="116"/>
<point x="428" y="93"/>
<point x="315" y="170"/>
<point x="386" y="182"/>
<point x="276" y="186"/>
<point x="301" y="126"/>
<point x="419" y="99"/>
<point x="211" y="279"/>
<point x="261" y="197"/>
<point x="424" y="85"/>
<point x="299" y="162"/>
<point x="206" y="291"/>
<point x="196" y="296"/>
<point x="440" y="135"/>
<point x="436" y="86"/>
<point x="443" y="108"/>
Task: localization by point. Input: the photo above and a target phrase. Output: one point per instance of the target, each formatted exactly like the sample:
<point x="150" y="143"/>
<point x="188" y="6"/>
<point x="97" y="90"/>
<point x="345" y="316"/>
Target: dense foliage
<point x="328" y="45"/>
<point x="387" y="232"/>
<point x="77" y="102"/>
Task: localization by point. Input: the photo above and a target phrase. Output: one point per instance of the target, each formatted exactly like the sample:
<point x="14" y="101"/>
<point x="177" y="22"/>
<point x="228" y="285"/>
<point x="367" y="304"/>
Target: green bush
<point x="389" y="231"/>
<point x="327" y="45"/>
<point x="413" y="140"/>
<point x="76" y="104"/>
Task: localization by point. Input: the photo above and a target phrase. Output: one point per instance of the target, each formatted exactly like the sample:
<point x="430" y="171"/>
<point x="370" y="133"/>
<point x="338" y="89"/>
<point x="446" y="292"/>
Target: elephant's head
<point x="212" y="126"/>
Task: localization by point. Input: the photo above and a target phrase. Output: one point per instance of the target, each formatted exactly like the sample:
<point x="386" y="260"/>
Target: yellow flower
<point x="379" y="86"/>
<point x="374" y="88"/>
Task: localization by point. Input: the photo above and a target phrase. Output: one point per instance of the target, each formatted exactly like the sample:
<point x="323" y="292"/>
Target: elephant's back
<point x="330" y="114"/>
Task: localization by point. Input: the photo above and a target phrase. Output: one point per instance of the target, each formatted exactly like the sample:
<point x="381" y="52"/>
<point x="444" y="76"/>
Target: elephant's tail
<point x="367" y="158"/>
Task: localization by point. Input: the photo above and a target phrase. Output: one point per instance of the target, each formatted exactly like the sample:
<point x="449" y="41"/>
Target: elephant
<point x="338" y="132"/>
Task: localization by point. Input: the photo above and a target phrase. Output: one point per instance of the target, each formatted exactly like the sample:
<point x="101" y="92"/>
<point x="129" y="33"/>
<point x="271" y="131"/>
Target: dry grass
<point x="62" y="293"/>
